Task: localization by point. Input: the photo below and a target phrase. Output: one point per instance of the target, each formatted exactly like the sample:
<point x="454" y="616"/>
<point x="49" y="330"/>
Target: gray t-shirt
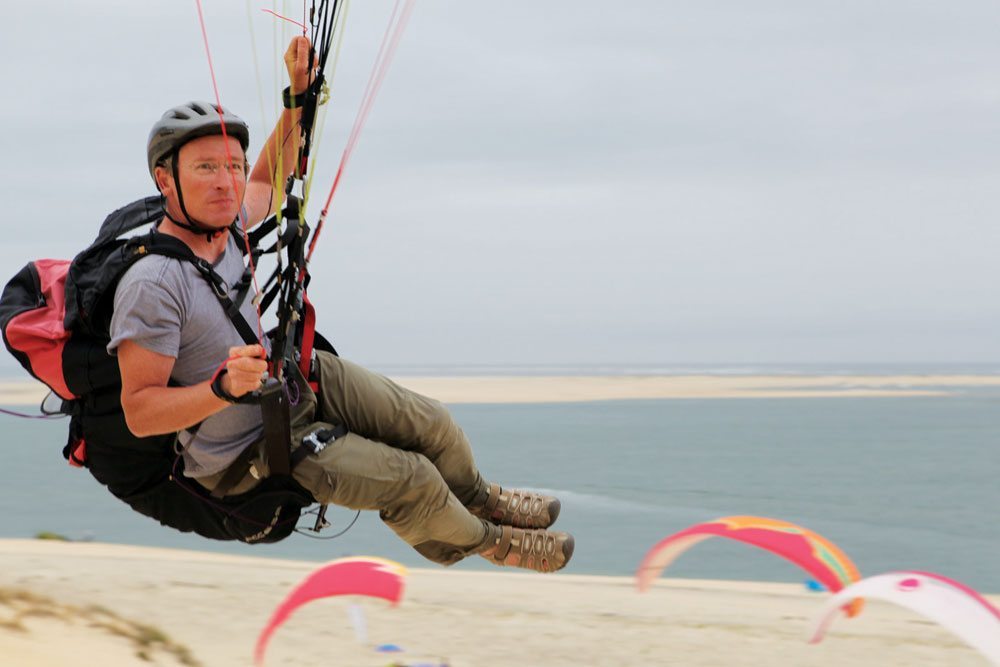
<point x="166" y="306"/>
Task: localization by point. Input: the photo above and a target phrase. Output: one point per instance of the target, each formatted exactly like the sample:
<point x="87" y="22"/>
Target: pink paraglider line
<point x="285" y="18"/>
<point x="371" y="577"/>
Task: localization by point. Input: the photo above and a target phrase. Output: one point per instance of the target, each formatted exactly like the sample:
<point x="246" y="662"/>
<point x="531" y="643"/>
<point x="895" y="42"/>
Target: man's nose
<point x="224" y="179"/>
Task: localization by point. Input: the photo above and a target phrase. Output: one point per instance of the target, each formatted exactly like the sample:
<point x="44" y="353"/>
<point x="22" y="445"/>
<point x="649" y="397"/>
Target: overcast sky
<point x="563" y="182"/>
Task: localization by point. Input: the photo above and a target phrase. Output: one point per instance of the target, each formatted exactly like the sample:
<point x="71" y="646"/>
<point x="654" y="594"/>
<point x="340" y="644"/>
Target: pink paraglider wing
<point x="810" y="551"/>
<point x="666" y="551"/>
<point x="372" y="577"/>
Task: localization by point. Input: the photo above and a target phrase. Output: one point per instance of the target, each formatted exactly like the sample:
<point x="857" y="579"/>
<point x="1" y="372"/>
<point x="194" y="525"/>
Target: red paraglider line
<point x="285" y="18"/>
<point x="386" y="52"/>
<point x="229" y="158"/>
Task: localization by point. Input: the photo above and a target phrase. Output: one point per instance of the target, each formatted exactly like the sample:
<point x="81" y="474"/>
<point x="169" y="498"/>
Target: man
<point x="183" y="366"/>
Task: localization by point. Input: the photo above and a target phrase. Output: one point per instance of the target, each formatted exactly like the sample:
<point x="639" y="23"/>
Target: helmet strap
<point x="195" y="227"/>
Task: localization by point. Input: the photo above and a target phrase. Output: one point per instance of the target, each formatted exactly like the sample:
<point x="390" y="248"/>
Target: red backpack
<point x="32" y="313"/>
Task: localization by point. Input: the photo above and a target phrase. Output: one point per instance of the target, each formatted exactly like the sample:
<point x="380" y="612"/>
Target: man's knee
<point x="420" y="492"/>
<point x="433" y="421"/>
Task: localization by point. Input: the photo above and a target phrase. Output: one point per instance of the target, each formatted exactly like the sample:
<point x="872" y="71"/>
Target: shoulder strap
<point x="168" y="246"/>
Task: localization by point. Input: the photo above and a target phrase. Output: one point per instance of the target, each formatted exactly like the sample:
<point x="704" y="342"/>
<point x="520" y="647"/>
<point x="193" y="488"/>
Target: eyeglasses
<point x="208" y="170"/>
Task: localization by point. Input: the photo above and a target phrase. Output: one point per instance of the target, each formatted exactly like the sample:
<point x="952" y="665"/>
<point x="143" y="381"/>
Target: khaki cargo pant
<point x="404" y="456"/>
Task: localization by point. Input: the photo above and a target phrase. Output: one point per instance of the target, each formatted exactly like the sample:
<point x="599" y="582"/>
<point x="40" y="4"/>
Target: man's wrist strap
<point x="292" y="101"/>
<point x="219" y="391"/>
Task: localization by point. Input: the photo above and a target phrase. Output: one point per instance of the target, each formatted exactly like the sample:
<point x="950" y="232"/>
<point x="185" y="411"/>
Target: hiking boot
<point x="518" y="508"/>
<point x="539" y="550"/>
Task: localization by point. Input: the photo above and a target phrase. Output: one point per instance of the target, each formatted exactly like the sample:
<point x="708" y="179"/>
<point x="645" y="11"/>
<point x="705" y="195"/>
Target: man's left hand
<point x="298" y="59"/>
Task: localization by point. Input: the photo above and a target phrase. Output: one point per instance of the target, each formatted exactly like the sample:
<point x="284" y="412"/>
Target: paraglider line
<point x="285" y="18"/>
<point x="328" y="537"/>
<point x="12" y="413"/>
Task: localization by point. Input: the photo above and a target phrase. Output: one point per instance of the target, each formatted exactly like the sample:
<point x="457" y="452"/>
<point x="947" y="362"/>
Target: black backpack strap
<point x="234" y="474"/>
<point x="230" y="306"/>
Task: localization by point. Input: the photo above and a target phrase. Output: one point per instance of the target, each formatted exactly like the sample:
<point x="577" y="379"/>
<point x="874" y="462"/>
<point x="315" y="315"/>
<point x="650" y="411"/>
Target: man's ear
<point x="164" y="180"/>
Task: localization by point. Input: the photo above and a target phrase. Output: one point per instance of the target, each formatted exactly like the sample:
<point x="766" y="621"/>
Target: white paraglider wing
<point x="952" y="605"/>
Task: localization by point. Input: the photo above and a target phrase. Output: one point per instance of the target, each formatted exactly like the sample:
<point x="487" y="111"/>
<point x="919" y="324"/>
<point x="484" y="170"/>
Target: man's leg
<point x="407" y="489"/>
<point x="376" y="408"/>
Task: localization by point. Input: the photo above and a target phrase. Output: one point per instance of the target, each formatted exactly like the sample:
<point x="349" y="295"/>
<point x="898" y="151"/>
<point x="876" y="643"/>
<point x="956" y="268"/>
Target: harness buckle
<point x="215" y="282"/>
<point x="321" y="438"/>
<point x="314" y="443"/>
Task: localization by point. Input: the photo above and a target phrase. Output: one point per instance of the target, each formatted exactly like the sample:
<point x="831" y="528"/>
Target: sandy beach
<point x="564" y="389"/>
<point x="88" y="603"/>
<point x="71" y="603"/>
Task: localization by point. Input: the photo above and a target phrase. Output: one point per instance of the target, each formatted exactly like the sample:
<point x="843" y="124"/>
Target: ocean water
<point x="646" y="369"/>
<point x="897" y="483"/>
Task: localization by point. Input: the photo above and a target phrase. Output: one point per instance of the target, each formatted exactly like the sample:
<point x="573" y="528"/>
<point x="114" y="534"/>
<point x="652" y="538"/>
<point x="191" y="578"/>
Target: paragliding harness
<point x="55" y="317"/>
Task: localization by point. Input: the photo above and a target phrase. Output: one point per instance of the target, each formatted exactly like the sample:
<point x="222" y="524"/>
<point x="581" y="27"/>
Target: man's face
<point x="207" y="180"/>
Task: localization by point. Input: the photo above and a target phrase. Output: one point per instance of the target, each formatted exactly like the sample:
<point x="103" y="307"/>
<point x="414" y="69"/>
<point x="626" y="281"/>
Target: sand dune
<point x="209" y="608"/>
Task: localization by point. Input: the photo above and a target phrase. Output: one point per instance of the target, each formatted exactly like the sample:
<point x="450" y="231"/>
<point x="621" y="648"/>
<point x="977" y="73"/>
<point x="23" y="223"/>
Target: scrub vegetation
<point x="18" y="607"/>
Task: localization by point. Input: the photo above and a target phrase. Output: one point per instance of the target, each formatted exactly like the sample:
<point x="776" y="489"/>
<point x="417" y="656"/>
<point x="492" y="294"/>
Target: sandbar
<point x="565" y="389"/>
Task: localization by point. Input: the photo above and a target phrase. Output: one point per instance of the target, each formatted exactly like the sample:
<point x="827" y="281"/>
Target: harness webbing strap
<point x="162" y="244"/>
<point x="277" y="426"/>
<point x="311" y="445"/>
<point x="308" y="337"/>
<point x="234" y="474"/>
<point x="273" y="400"/>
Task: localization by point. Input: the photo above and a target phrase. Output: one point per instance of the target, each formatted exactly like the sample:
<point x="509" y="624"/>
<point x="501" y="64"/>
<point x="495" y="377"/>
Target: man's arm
<point x="265" y="188"/>
<point x="152" y="407"/>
